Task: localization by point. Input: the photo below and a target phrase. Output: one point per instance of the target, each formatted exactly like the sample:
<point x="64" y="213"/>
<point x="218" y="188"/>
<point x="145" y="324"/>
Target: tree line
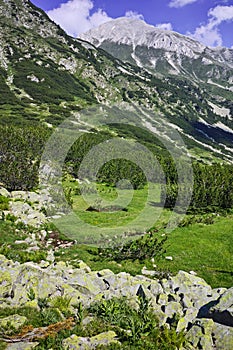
<point x="21" y="148"/>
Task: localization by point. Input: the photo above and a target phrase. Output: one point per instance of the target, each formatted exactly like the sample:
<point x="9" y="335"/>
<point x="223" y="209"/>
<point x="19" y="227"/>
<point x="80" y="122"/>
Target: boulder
<point x="5" y="284"/>
<point x="4" y="192"/>
<point x="22" y="346"/>
<point x="14" y="321"/>
<point x="200" y="334"/>
<point x="222" y="311"/>
<point x="173" y="309"/>
<point x="84" y="343"/>
<point x="223" y="336"/>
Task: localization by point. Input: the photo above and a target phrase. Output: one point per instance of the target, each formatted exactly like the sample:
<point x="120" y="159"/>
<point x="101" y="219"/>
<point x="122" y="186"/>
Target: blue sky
<point x="209" y="21"/>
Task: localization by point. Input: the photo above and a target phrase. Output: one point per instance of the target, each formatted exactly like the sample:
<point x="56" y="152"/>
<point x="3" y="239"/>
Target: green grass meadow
<point x="206" y="249"/>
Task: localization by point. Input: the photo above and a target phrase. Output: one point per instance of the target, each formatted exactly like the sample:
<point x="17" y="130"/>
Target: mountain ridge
<point x="48" y="79"/>
<point x="119" y="29"/>
<point x="143" y="45"/>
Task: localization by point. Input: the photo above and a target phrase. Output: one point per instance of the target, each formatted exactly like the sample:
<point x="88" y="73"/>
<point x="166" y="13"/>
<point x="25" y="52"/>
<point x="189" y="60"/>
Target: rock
<point x="184" y="296"/>
<point x="173" y="309"/>
<point x="88" y="284"/>
<point x="5" y="284"/>
<point x="42" y="235"/>
<point x="187" y="319"/>
<point x="195" y="288"/>
<point x="159" y="314"/>
<point x="185" y="300"/>
<point x="4" y="192"/>
<point x="105" y="272"/>
<point x="34" y="197"/>
<point x="44" y="264"/>
<point x="22" y="346"/>
<point x="83" y="266"/>
<point x="50" y="256"/>
<point x="169" y="258"/>
<point x="193" y="273"/>
<point x="26" y="214"/>
<point x="223" y="336"/>
<point x="19" y="195"/>
<point x="83" y="343"/>
<point x="148" y="272"/>
<point x="87" y="320"/>
<point x="163" y="299"/>
<point x="155" y="288"/>
<point x="200" y="334"/>
<point x="206" y="340"/>
<point x="222" y="312"/>
<point x="15" y="321"/>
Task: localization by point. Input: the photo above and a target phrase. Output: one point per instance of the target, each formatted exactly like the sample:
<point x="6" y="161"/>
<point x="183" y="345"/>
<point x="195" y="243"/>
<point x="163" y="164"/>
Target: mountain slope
<point x="164" y="52"/>
<point x="46" y="73"/>
<point x="47" y="76"/>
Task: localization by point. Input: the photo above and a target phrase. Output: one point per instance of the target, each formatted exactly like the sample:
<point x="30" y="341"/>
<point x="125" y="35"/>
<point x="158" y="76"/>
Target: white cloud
<point x="221" y="13"/>
<point x="75" y="16"/>
<point x="134" y="14"/>
<point x="165" y="26"/>
<point x="209" y="34"/>
<point x="180" y="3"/>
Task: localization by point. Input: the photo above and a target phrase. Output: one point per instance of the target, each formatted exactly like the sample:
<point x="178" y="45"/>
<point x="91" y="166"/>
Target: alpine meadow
<point x="116" y="198"/>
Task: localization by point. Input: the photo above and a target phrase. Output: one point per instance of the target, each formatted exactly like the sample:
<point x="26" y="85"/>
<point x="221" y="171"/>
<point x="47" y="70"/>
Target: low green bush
<point x="4" y="203"/>
<point x="145" y="247"/>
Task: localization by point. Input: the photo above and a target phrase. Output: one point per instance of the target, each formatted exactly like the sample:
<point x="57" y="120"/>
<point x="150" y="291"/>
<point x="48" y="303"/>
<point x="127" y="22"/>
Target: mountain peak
<point x="136" y="32"/>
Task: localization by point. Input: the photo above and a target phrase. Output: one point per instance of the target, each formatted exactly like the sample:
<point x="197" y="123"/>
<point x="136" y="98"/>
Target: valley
<point x="116" y="200"/>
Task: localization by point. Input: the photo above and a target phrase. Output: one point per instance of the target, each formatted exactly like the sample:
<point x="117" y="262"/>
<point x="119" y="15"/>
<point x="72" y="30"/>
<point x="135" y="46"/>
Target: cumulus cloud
<point x="75" y="16"/>
<point x="165" y="26"/>
<point x="133" y="14"/>
<point x="180" y="3"/>
<point x="220" y="14"/>
<point x="209" y="33"/>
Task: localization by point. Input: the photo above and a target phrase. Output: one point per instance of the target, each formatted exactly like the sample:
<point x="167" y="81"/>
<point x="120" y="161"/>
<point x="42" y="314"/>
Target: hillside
<point x="47" y="76"/>
<point x="113" y="235"/>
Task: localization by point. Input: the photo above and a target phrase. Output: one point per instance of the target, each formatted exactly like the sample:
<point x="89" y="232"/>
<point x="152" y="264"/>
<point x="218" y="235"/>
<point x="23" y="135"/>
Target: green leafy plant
<point x="62" y="303"/>
<point x="42" y="303"/>
<point x="4" y="203"/>
<point x="137" y="328"/>
<point x="31" y="294"/>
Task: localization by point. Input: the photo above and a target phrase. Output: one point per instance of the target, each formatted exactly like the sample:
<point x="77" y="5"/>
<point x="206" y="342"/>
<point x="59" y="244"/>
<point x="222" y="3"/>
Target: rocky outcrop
<point x="26" y="206"/>
<point x="204" y="313"/>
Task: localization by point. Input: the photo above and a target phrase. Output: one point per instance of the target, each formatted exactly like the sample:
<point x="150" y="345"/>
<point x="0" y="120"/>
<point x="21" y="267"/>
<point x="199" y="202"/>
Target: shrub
<point x="4" y="203"/>
<point x="146" y="247"/>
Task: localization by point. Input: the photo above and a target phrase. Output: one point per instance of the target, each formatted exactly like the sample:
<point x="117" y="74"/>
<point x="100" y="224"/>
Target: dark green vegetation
<point x="20" y="150"/>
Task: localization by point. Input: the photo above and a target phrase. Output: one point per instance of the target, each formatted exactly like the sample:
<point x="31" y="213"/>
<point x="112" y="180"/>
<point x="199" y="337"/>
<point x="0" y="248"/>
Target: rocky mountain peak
<point x="136" y="32"/>
<point x="164" y="52"/>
